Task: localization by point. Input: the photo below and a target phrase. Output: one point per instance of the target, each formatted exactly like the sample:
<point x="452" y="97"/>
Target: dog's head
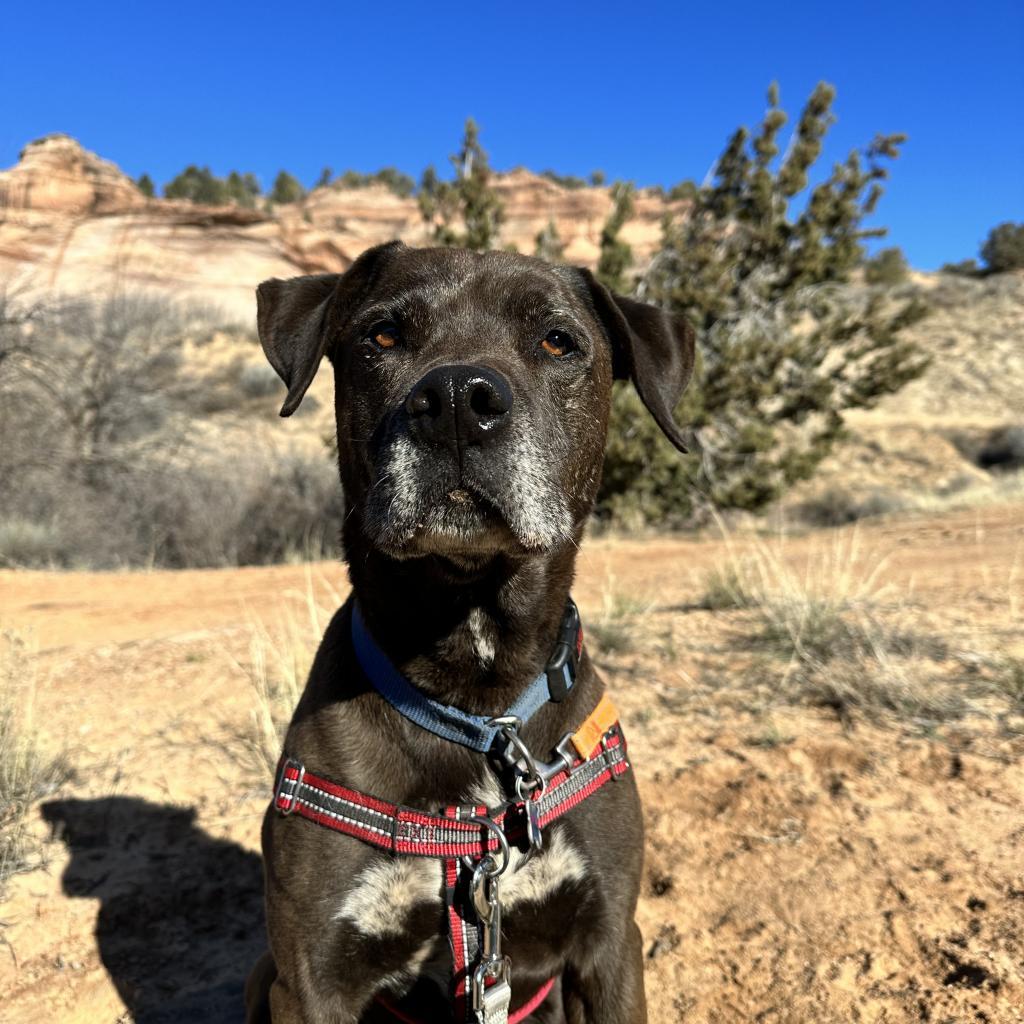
<point x="471" y="391"/>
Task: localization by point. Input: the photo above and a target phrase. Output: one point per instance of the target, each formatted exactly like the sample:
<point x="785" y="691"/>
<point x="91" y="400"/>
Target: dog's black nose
<point x="460" y="405"/>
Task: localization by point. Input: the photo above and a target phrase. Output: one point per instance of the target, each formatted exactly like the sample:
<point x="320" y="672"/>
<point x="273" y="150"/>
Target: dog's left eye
<point x="558" y="344"/>
<point x="383" y="335"/>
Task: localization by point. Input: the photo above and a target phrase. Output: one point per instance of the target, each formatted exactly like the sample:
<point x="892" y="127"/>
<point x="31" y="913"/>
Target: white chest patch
<point x="385" y="892"/>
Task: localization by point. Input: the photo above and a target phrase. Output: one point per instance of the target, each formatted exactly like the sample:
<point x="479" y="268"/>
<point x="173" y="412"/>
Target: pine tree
<point x="145" y="185"/>
<point x="616" y="255"/>
<point x="786" y="345"/>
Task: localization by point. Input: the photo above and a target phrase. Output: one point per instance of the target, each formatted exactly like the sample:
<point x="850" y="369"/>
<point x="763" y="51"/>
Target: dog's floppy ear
<point x="291" y="318"/>
<point x="650" y="347"/>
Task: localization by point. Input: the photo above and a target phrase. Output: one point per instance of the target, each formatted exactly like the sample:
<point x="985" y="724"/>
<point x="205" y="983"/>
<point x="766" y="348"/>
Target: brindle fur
<point x="429" y="595"/>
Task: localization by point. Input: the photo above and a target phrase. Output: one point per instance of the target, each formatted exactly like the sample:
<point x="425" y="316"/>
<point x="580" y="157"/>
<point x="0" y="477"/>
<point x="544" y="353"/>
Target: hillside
<point x="72" y="221"/>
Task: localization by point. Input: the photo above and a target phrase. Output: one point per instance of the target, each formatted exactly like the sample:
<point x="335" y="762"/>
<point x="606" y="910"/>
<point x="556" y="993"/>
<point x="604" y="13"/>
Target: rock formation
<point x="73" y="222"/>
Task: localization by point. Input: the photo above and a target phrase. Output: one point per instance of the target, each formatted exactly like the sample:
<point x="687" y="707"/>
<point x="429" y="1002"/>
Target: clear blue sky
<point x="644" y="91"/>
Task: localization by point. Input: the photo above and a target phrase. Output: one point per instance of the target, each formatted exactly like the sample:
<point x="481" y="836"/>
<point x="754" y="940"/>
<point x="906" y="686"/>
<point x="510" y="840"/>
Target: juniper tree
<point x="198" y="185"/>
<point x="470" y="197"/>
<point x="549" y="246"/>
<point x="887" y="266"/>
<point x="286" y="189"/>
<point x="242" y="189"/>
<point x="786" y="345"/>
<point x="1004" y="248"/>
<point x="616" y="255"/>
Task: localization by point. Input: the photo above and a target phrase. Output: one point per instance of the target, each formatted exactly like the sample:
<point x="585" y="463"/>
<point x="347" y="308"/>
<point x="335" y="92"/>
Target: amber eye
<point x="384" y="335"/>
<point x="558" y="344"/>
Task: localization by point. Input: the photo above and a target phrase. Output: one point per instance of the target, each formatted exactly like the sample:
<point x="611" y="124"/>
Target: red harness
<point x="460" y="837"/>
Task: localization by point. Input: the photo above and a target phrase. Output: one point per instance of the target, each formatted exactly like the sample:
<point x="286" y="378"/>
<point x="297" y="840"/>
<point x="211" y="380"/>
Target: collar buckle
<point x="561" y="667"/>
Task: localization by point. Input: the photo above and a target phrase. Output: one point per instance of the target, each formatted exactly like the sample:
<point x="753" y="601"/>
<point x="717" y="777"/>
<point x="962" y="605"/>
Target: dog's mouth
<point x="462" y="522"/>
<point x="470" y="508"/>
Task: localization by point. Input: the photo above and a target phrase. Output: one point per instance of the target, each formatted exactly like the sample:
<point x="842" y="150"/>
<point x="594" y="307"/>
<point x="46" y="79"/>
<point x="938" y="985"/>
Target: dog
<point x="472" y="399"/>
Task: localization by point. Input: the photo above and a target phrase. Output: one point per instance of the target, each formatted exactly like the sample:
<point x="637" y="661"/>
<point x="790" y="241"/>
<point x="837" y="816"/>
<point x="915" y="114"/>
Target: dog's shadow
<point x="180" y="920"/>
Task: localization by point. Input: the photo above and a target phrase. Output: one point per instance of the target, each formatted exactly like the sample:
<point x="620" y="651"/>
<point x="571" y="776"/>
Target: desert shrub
<point x="964" y="268"/>
<point x="1003" y="449"/>
<point x="1003" y="249"/>
<point x="617" y="255"/>
<point x="569" y="181"/>
<point x="259" y="380"/>
<point x="838" y="506"/>
<point x="27" y="774"/>
<point x="785" y="344"/>
<point x="548" y="245"/>
<point x="28" y="543"/>
<point x="887" y="266"/>
<point x="295" y="511"/>
<point x="102" y="466"/>
<point x="390" y="177"/>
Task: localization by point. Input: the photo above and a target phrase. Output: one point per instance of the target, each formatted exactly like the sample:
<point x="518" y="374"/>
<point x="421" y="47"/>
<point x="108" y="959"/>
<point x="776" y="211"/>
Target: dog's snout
<point x="460" y="405"/>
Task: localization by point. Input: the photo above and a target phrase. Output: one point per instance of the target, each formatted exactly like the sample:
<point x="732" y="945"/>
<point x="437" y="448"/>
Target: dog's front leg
<point x="607" y="987"/>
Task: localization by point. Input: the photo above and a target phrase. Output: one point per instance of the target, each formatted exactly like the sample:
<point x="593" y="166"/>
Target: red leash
<point x="515" y="1017"/>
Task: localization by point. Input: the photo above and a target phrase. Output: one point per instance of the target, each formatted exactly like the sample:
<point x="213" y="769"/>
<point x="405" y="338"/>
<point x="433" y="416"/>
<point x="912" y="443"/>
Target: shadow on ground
<point x="181" y="913"/>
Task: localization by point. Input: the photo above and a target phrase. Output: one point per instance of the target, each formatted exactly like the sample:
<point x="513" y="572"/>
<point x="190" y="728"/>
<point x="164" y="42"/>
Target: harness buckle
<point x="292" y="797"/>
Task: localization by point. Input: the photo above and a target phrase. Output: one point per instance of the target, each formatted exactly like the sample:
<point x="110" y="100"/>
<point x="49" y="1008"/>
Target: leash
<point x="472" y="843"/>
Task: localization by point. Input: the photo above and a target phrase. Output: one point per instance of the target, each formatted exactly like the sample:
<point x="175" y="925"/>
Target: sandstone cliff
<point x="74" y="222"/>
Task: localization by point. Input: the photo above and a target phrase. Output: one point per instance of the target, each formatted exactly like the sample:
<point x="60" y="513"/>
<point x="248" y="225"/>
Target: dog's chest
<point x="385" y="893"/>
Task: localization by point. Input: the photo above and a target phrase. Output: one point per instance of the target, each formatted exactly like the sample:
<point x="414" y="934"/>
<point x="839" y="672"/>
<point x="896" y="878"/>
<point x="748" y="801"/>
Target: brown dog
<point x="472" y="397"/>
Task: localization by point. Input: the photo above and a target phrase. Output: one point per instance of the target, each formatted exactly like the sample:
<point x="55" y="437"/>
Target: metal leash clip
<point x="532" y="777"/>
<point x="490" y="1002"/>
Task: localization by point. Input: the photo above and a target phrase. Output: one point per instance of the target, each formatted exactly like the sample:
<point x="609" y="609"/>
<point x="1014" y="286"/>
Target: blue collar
<point x="474" y="731"/>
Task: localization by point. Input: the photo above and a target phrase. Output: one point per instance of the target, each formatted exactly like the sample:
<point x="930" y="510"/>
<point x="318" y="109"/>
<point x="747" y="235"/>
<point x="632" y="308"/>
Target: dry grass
<point x="837" y="636"/>
<point x="26" y="773"/>
<point x="279" y="661"/>
<point x="614" y="628"/>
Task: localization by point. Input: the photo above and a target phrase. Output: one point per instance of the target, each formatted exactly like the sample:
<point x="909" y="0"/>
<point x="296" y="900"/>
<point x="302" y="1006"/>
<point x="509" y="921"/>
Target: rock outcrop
<point x="73" y="222"/>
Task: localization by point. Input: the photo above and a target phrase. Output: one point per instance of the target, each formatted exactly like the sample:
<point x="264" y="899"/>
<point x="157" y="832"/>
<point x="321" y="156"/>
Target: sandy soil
<point x="799" y="869"/>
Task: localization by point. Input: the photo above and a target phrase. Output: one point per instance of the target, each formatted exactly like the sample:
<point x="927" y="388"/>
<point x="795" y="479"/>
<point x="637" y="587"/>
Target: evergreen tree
<point x="887" y="266"/>
<point x="1004" y="248"/>
<point x="549" y="246"/>
<point x="786" y="345"/>
<point x="286" y="189"/>
<point x="145" y="185"/>
<point x="198" y="185"/>
<point x="325" y="178"/>
<point x="469" y="197"/>
<point x="616" y="255"/>
<point x="242" y="189"/>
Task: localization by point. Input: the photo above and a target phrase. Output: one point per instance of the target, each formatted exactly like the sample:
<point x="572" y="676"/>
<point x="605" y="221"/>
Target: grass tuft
<point x="278" y="665"/>
<point x="26" y="773"/>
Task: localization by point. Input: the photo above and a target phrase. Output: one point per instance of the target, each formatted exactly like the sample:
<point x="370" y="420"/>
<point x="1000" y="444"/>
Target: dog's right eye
<point x="383" y="335"/>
